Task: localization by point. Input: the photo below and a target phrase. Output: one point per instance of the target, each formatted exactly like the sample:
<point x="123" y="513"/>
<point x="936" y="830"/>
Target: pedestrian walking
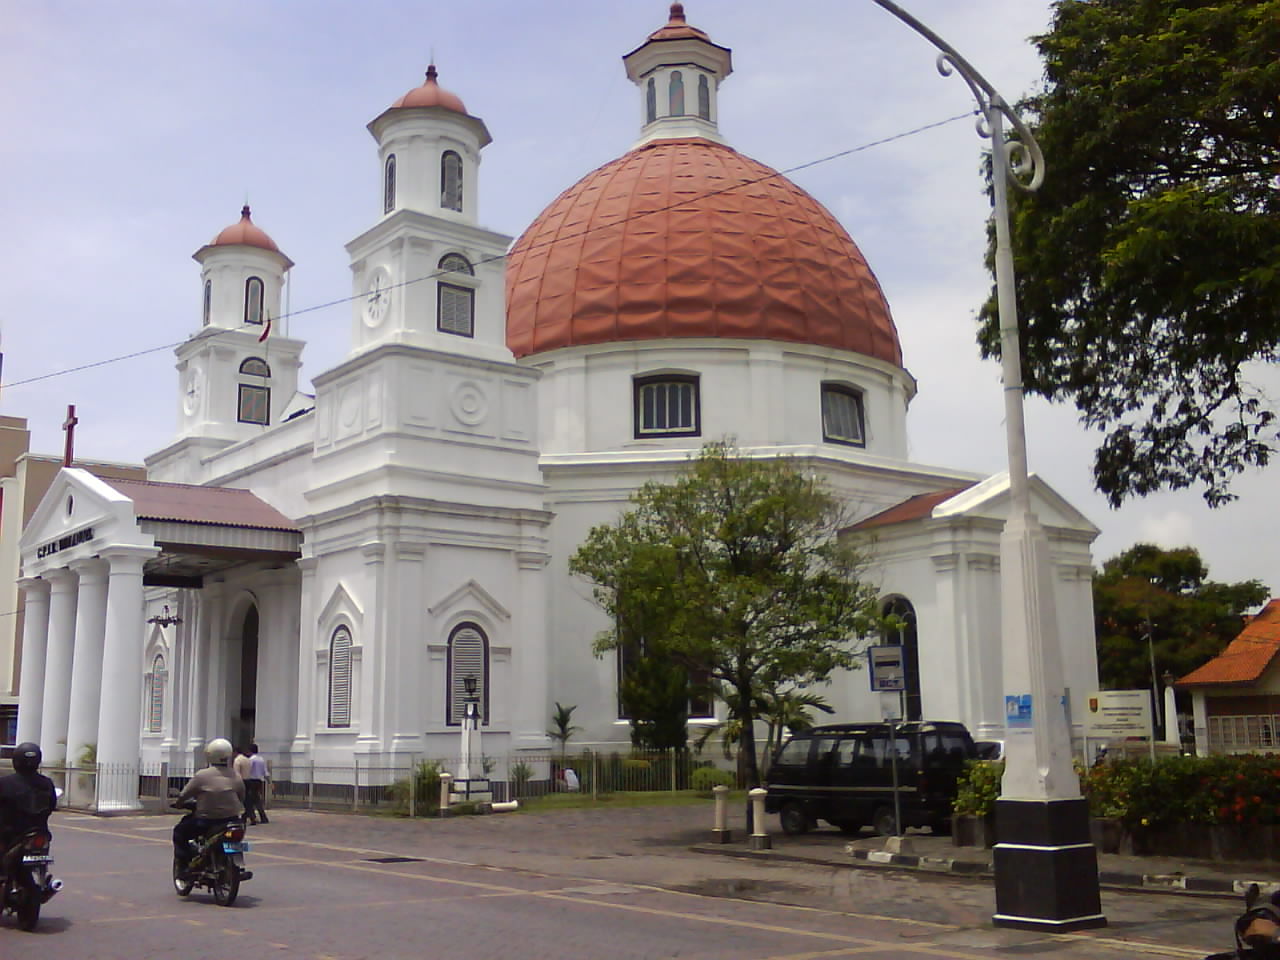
<point x="255" y="786"/>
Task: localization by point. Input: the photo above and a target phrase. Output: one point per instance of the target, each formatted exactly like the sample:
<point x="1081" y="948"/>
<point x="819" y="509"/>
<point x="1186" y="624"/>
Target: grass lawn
<point x="638" y="798"/>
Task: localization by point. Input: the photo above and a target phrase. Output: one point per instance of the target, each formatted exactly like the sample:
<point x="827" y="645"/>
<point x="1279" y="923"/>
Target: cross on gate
<point x="69" y="425"/>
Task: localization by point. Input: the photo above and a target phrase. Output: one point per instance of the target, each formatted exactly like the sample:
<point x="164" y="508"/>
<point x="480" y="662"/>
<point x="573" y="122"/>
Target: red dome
<point x="688" y="238"/>
<point x="431" y="94"/>
<point x="247" y="232"/>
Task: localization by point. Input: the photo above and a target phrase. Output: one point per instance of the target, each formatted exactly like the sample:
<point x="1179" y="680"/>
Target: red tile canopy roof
<point x="188" y="503"/>
<point x="1246" y="657"/>
<point x="913" y="508"/>
<point x="689" y="238"/>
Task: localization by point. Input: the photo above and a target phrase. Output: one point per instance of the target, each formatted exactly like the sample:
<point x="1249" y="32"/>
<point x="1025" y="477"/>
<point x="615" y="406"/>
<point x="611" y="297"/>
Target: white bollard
<point x="721" y="833"/>
<point x="446" y="781"/>
<point x="505" y="806"/>
<point x="759" y="839"/>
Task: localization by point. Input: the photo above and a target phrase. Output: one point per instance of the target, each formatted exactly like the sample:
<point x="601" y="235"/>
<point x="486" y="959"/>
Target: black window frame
<point x="638" y="387"/>
<point x="848" y="392"/>
<point x="459" y="187"/>
<point x="249" y="300"/>
<point x="389" y="184"/>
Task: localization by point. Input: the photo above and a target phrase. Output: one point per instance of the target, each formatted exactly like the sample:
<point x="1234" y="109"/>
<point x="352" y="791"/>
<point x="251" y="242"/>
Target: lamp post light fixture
<point x="164" y="620"/>
<point x="470" y="727"/>
<point x="1046" y="867"/>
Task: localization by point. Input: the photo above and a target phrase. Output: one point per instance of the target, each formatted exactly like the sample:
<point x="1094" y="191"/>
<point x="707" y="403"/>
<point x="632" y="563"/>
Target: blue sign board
<point x="1017" y="710"/>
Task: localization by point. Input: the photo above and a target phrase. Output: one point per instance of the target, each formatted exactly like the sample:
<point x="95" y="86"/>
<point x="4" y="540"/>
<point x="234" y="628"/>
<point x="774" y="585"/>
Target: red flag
<point x="266" y="331"/>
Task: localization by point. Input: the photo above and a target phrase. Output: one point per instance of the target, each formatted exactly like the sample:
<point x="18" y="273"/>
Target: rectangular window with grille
<point x="255" y="404"/>
<point x="667" y="407"/>
<point x="456" y="310"/>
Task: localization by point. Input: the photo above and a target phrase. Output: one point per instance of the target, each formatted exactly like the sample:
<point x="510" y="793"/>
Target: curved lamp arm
<point x="1022" y="160"/>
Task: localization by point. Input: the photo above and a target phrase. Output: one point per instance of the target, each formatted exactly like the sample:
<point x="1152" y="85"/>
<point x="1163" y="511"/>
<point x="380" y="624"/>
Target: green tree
<point x="1167" y="594"/>
<point x="563" y="728"/>
<point x="739" y="562"/>
<point x="655" y="692"/>
<point x="1148" y="264"/>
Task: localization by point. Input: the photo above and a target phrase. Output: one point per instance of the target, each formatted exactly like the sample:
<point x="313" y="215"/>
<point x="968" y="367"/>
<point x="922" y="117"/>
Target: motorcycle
<point x="1257" y="930"/>
<point x="217" y="862"/>
<point x="28" y="884"/>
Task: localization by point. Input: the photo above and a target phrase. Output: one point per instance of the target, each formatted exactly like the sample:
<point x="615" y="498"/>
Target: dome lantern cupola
<point x="678" y="70"/>
<point x="429" y="148"/>
<point x="242" y="275"/>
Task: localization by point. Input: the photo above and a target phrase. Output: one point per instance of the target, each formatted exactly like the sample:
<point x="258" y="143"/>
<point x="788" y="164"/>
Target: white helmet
<point x="218" y="750"/>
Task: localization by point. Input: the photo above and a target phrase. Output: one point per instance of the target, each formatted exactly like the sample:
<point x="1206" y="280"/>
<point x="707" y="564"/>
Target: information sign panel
<point x="887" y="672"/>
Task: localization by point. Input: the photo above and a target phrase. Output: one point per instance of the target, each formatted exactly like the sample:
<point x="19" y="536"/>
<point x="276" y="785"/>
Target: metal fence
<point x="406" y="784"/>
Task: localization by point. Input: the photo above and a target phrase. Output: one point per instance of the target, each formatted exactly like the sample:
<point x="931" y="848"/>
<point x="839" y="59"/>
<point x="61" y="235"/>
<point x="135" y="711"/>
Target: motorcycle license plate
<point x="35" y="858"/>
<point x="235" y="846"/>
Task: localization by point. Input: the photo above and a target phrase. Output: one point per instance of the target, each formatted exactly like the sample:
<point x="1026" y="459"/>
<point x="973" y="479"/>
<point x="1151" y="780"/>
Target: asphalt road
<point x="575" y="884"/>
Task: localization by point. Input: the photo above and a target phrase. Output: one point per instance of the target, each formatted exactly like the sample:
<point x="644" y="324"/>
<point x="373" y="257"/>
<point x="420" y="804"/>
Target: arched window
<point x="156" y="682"/>
<point x="675" y="95"/>
<point x="389" y="185"/>
<point x="842" y="415"/>
<point x="451" y="181"/>
<point x="255" y="394"/>
<point x="904" y="635"/>
<point x="651" y="101"/>
<point x="208" y="301"/>
<point x="455" y="304"/>
<point x="468" y="657"/>
<point x="667" y="406"/>
<point x="340" y="678"/>
<point x="253" y="300"/>
<point x="704" y="97"/>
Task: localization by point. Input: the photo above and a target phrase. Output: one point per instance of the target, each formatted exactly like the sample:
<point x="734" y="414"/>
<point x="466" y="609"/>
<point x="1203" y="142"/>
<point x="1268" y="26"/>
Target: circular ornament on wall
<point x="469" y="404"/>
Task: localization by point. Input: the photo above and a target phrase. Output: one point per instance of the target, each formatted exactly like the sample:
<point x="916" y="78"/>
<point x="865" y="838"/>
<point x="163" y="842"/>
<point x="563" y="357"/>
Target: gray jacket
<point x="219" y="793"/>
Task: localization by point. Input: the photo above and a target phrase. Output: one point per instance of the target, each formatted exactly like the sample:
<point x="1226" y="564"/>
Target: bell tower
<point x="238" y="372"/>
<point x="426" y="274"/>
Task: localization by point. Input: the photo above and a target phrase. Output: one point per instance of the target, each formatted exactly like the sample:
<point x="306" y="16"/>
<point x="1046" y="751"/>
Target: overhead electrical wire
<point x="440" y="273"/>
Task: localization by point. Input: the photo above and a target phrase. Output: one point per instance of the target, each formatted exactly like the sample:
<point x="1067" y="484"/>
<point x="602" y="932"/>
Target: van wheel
<point x="793" y="818"/>
<point x="882" y="822"/>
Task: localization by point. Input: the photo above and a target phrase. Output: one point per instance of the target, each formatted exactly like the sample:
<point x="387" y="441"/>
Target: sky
<point x="134" y="132"/>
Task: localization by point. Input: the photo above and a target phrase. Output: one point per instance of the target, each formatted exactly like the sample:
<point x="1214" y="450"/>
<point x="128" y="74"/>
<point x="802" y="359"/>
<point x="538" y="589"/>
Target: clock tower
<point x="426" y="274"/>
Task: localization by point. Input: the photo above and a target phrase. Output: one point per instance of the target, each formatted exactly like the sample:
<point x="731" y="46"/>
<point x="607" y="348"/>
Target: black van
<point x="843" y="773"/>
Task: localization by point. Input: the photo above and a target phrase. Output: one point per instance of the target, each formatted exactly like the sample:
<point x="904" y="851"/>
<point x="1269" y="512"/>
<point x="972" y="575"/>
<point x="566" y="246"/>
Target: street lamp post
<point x="470" y="726"/>
<point x="1046" y="867"/>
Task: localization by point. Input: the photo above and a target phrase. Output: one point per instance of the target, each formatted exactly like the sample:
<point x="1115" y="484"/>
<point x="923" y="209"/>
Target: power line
<point x="572" y="236"/>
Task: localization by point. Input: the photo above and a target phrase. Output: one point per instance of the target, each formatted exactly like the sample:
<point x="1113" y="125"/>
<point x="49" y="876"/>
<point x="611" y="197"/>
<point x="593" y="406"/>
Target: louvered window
<point x="255" y="398"/>
<point x="457" y="310"/>
<point x="208" y="301"/>
<point x="675" y="93"/>
<point x="704" y="97"/>
<point x="157" y="680"/>
<point x="340" y="678"/>
<point x="651" y="102"/>
<point x="468" y="656"/>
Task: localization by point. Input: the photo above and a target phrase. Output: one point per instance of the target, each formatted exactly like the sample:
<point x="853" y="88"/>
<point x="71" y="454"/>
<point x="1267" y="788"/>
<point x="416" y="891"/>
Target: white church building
<point x="321" y="573"/>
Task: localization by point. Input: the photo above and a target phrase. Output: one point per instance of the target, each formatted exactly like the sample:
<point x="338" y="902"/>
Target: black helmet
<point x="26" y="757"/>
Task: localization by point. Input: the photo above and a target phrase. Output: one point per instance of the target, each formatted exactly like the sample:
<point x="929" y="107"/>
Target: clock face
<point x="377" y="299"/>
<point x="191" y="391"/>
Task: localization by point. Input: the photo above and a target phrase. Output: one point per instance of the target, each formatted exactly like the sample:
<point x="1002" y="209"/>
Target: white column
<point x="306" y="723"/>
<point x="35" y="639"/>
<point x="86" y="665"/>
<point x="529" y="648"/>
<point x="57" y="669"/>
<point x="120" y="715"/>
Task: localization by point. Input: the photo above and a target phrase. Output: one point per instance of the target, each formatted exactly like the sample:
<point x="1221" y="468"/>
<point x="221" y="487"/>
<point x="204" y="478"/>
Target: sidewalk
<point x="925" y="852"/>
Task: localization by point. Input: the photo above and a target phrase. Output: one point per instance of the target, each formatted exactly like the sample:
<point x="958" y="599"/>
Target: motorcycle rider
<point x="27" y="797"/>
<point x="219" y="795"/>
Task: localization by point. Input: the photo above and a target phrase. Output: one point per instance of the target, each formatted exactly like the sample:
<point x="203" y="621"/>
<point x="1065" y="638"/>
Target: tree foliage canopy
<point x="734" y="571"/>
<point x="1148" y="264"/>
<point x="1166" y="593"/>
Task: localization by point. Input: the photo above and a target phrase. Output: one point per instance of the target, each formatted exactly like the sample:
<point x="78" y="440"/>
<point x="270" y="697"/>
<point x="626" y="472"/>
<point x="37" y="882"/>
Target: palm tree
<point x="562" y="720"/>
